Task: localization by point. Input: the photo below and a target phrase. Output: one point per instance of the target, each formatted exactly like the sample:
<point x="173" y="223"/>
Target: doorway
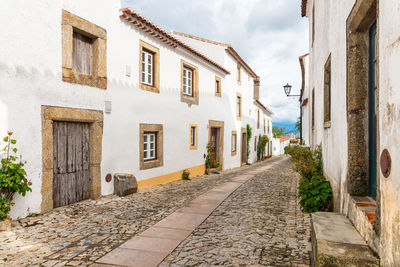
<point x="244" y="147"/>
<point x="71" y="179"/>
<point x="372" y="93"/>
<point x="216" y="140"/>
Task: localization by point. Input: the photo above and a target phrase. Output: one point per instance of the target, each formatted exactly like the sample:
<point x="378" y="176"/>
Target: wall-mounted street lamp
<point x="287" y="89"/>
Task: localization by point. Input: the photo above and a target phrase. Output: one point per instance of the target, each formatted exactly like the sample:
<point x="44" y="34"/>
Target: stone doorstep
<point x="335" y="242"/>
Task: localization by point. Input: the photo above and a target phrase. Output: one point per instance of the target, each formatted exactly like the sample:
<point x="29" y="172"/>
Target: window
<point x="255" y="143"/>
<point x="312" y="108"/>
<point x="264" y="126"/>
<point x="84" y="52"/>
<point x="313" y="26"/>
<point x="238" y="106"/>
<point x="148" y="67"/>
<point x="239" y="73"/>
<point x="258" y="119"/>
<point x="268" y="126"/>
<point x="189" y="84"/>
<point x="327" y="93"/>
<point x="193" y="136"/>
<point x="217" y="86"/>
<point x="187" y="81"/>
<point x="151" y="146"/>
<point x="234" y="143"/>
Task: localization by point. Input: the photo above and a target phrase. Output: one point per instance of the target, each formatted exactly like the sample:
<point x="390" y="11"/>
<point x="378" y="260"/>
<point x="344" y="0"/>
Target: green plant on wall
<point x="12" y="176"/>
<point x="249" y="134"/>
<point x="262" y="141"/>
<point x="210" y="162"/>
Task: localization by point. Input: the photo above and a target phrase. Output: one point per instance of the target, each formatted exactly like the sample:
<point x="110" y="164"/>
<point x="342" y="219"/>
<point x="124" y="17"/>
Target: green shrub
<point x="12" y="177"/>
<point x="262" y="141"/>
<point x="315" y="191"/>
<point x="185" y="175"/>
<point x="249" y="134"/>
<point x="315" y="195"/>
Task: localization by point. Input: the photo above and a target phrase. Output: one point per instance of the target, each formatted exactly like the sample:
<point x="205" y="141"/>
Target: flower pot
<point x="5" y="225"/>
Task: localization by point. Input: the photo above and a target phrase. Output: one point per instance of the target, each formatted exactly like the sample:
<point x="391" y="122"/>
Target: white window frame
<point x="148" y="152"/>
<point x="187" y="81"/>
<point x="147" y="67"/>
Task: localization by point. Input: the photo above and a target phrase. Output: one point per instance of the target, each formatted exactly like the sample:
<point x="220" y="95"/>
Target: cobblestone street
<point x="259" y="224"/>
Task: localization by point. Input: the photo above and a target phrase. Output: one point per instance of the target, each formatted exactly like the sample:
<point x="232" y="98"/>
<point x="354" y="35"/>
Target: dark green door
<point x="372" y="131"/>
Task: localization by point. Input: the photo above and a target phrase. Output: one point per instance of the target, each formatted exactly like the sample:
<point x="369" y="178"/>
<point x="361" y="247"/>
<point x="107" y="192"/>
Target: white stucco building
<point x="92" y="90"/>
<point x="353" y="76"/>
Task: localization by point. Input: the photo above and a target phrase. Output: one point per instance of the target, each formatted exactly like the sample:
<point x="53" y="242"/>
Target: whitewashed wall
<point x="307" y="108"/>
<point x="30" y="76"/>
<point x="330" y="37"/>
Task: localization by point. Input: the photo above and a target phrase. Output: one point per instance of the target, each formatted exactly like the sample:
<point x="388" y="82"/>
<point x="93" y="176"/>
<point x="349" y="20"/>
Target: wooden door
<point x="214" y="143"/>
<point x="71" y="179"/>
<point x="244" y="148"/>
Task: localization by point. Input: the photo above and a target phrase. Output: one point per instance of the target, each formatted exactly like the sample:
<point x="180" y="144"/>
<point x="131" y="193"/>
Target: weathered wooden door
<point x="71" y="179"/>
<point x="244" y="148"/>
<point x="214" y="143"/>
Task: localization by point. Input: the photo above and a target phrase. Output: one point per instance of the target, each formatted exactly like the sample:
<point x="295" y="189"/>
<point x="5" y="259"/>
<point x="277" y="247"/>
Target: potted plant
<point x="12" y="179"/>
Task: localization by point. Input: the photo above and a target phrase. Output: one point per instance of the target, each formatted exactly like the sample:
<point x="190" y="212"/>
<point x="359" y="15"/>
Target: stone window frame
<point x="218" y="91"/>
<point x="239" y="112"/>
<point x="196" y="126"/>
<point x="194" y="98"/>
<point x="258" y="118"/>
<point x="50" y="114"/>
<point x="159" y="160"/>
<point x="71" y="23"/>
<point x="234" y="147"/>
<point x="155" y="88"/>
<point x="328" y="92"/>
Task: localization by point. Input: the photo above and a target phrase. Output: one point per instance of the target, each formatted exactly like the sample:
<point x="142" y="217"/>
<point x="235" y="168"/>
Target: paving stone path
<point x="260" y="224"/>
<point x="82" y="233"/>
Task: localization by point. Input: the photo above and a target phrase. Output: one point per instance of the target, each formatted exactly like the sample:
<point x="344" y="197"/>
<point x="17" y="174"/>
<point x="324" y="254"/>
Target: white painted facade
<point x="306" y="96"/>
<point x="250" y="107"/>
<point x="331" y="39"/>
<point x="30" y="77"/>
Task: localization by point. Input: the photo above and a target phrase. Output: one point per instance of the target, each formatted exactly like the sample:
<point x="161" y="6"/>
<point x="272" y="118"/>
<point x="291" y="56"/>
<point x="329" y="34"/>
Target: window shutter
<point x="82" y="54"/>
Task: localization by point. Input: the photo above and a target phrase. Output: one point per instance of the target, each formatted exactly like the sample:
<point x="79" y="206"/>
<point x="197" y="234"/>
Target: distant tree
<point x="298" y="125"/>
<point x="278" y="131"/>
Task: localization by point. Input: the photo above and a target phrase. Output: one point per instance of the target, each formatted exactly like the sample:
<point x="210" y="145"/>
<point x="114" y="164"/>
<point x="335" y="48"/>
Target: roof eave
<point x="164" y="36"/>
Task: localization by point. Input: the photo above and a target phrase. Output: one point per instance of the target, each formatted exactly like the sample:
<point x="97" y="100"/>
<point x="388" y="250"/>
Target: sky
<point x="269" y="35"/>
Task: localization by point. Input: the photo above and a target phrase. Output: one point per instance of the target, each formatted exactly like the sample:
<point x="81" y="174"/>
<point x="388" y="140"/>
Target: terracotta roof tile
<point x="128" y="14"/>
<point x="229" y="49"/>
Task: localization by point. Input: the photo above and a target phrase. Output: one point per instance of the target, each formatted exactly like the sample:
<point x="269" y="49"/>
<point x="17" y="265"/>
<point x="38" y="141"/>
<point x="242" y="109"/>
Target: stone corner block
<point x="125" y="184"/>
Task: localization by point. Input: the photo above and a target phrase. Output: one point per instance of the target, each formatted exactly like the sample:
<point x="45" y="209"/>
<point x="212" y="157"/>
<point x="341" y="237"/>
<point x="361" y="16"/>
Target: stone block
<point x="335" y="242"/>
<point x="124" y="184"/>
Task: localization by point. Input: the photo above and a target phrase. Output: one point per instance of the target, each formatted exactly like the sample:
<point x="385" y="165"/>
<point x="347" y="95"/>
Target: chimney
<point x="257" y="88"/>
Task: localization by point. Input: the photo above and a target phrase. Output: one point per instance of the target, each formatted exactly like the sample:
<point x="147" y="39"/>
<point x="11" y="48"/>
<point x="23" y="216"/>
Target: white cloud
<point x="269" y="34"/>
